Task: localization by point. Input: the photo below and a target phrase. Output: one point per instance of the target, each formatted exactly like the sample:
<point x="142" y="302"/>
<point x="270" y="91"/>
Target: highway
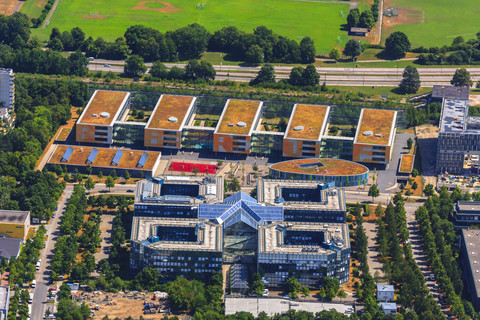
<point x="330" y="75"/>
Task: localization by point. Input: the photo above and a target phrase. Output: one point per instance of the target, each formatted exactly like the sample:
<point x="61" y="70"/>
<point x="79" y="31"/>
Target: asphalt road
<point x="330" y="75"/>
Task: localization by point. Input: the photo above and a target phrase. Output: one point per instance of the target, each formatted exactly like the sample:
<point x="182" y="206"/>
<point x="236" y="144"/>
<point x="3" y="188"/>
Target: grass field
<point x="33" y="8"/>
<point x="436" y="22"/>
<point x="294" y="19"/>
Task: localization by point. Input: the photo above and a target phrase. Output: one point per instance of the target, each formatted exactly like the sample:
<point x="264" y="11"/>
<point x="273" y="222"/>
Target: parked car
<point x="431" y="277"/>
<point x="106" y="65"/>
<point x="265" y="293"/>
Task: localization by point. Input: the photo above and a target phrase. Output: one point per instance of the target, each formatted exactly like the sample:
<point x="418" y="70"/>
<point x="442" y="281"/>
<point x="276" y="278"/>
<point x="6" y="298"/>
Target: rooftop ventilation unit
<point x="241" y="124"/>
<point x="116" y="158"/>
<point x="67" y="154"/>
<point x="298" y="128"/>
<point x="367" y="133"/>
<point x="94" y="115"/>
<point x="230" y="124"/>
<point x="104" y="114"/>
<point x="173" y="119"/>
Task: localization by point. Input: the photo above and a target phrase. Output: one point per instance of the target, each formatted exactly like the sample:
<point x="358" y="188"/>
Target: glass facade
<point x="452" y="147"/>
<point x="128" y="134"/>
<point x="335" y="148"/>
<point x="266" y="143"/>
<point x="197" y="139"/>
<point x="340" y="181"/>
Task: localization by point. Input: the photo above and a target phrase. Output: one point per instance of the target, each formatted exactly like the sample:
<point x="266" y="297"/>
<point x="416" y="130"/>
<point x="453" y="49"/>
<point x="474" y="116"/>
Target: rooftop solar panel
<point x="92" y="156"/>
<point x="117" y="157"/>
<point x="143" y="160"/>
<point x="66" y="156"/>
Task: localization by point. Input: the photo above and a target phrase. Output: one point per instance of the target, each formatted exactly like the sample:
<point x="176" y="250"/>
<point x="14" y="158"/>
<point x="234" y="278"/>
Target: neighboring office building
<point x="137" y="163"/>
<point x="7" y="91"/>
<point x="440" y="92"/>
<point x="14" y="224"/>
<point x="95" y="124"/>
<point x="10" y="248"/>
<point x="184" y="227"/>
<point x="239" y="119"/>
<point x="305" y="130"/>
<point x="341" y="173"/>
<point x="470" y="254"/>
<point x="165" y="125"/>
<point x="4" y="301"/>
<point x="385" y="292"/>
<point x="466" y="213"/>
<point x="375" y="136"/>
<point x="458" y="146"/>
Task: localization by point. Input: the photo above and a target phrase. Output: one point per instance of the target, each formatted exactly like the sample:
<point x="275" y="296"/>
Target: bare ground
<point x="167" y="9"/>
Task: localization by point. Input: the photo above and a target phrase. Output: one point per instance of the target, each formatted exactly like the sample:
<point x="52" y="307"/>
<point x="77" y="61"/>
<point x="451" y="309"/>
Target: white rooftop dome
<point x="367" y="133"/>
<point x="298" y="128"/>
<point x="241" y="124"/>
<point x="104" y="114"/>
<point x="173" y="119"/>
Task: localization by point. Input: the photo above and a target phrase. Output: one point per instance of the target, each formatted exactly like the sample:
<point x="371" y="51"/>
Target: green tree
<point x="331" y="286"/>
<point x="414" y="185"/>
<point x="353" y="18"/>
<point x="175" y="73"/>
<point x="234" y="185"/>
<point x="109" y="183"/>
<point x="199" y="70"/>
<point x="305" y="292"/>
<point x="127" y="175"/>
<point x="100" y="174"/>
<point x="295" y="77"/>
<point x="428" y="190"/>
<point x="254" y="54"/>
<point x="147" y="278"/>
<point x="55" y="44"/>
<point x="89" y="184"/>
<point x="367" y="20"/>
<point x="352" y="49"/>
<point x="307" y="50"/>
<point x="265" y="75"/>
<point x="310" y="76"/>
<point x="379" y="211"/>
<point x="159" y="70"/>
<point x="411" y="80"/>
<point x="409" y="143"/>
<point x="293" y="287"/>
<point x="341" y="294"/>
<point x="373" y="192"/>
<point x="134" y="66"/>
<point x="396" y="45"/>
<point x="415" y="173"/>
<point x="335" y="54"/>
<point x="257" y="284"/>
<point x="255" y="167"/>
<point x="461" y="78"/>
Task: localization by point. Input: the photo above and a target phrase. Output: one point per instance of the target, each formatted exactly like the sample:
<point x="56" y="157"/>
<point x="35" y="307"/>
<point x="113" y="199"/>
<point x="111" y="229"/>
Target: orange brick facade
<point x="231" y="144"/>
<point x="158" y="139"/>
<point x="92" y="134"/>
<point x="299" y="148"/>
<point x="366" y="153"/>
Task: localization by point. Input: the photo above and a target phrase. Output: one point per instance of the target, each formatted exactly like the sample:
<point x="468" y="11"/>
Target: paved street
<point x="374" y="265"/>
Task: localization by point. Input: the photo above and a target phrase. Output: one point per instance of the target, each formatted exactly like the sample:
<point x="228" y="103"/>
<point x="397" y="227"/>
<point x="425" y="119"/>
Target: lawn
<point x="437" y="22"/>
<point x="320" y="21"/>
<point x="33" y="8"/>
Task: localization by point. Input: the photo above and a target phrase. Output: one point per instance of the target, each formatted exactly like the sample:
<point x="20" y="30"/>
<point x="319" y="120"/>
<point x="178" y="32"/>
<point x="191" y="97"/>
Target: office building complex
<point x="14" y="224"/>
<point x="7" y="91"/>
<point x="375" y="136"/>
<point x="239" y="127"/>
<point x="458" y="146"/>
<point x="183" y="226"/>
<point x="470" y="249"/>
<point x="466" y="213"/>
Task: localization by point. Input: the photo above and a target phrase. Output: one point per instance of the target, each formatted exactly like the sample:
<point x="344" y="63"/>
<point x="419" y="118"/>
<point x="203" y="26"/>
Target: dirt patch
<point x="167" y="9"/>
<point x="41" y="3"/>
<point x="405" y="16"/>
<point x="94" y="15"/>
<point x="7" y="7"/>
<point x="474" y="100"/>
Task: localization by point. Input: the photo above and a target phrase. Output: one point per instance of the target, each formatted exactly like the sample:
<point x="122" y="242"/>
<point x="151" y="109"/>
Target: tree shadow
<point x="344" y="27"/>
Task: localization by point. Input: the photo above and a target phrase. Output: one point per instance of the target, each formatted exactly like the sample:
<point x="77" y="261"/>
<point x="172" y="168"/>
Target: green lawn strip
<point x="33" y="8"/>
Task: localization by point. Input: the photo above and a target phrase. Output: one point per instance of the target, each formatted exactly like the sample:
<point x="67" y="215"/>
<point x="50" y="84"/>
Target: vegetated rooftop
<point x="170" y="106"/>
<point x="406" y="163"/>
<point x="103" y="101"/>
<point x="375" y="126"/>
<point x="321" y="167"/>
<point x="104" y="157"/>
<point x="63" y="134"/>
<point x="311" y="118"/>
<point x="238" y="111"/>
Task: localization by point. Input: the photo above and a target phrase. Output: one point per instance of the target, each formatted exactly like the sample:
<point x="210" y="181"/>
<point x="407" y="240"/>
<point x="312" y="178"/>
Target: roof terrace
<point x="239" y="117"/>
<point x="103" y="107"/>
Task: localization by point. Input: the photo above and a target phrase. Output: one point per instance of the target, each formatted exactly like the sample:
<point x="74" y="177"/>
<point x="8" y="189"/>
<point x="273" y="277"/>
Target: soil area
<point x="167" y="9"/>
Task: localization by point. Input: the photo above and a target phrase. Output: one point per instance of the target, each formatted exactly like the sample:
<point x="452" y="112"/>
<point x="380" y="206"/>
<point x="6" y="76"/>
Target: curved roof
<point x="321" y="167"/>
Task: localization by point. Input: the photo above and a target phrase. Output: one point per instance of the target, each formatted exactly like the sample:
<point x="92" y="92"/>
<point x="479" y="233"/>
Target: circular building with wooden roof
<point x="342" y="173"/>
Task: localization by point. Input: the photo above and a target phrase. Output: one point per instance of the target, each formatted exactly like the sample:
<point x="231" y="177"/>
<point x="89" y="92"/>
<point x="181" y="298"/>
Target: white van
<point x="37" y="266"/>
<point x="34" y="283"/>
<point x="30" y="300"/>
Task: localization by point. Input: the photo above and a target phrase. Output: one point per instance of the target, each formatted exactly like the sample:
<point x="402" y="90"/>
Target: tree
<point x="335" y="54"/>
<point x="415" y="173"/>
<point x="462" y="78"/>
<point x="305" y="291"/>
<point x="100" y="174"/>
<point x="78" y="64"/>
<point x="109" y="183"/>
<point x="367" y="20"/>
<point x="428" y="190"/>
<point x="199" y="70"/>
<point x="352" y="49"/>
<point x="307" y="50"/>
<point x="353" y="18"/>
<point x="295" y="77"/>
<point x="127" y="175"/>
<point x="234" y="185"/>
<point x="331" y="286"/>
<point x="191" y="41"/>
<point x="254" y="54"/>
<point x="310" y="76"/>
<point x="415" y="185"/>
<point x="411" y="80"/>
<point x="373" y="192"/>
<point x="147" y="278"/>
<point x="89" y="184"/>
<point x="265" y="75"/>
<point x="159" y="70"/>
<point x="257" y="284"/>
<point x="255" y="167"/>
<point x="55" y="44"/>
<point x="409" y="143"/>
<point x="134" y="66"/>
<point x="341" y="294"/>
<point x="379" y="211"/>
<point x="293" y="287"/>
<point x="396" y="45"/>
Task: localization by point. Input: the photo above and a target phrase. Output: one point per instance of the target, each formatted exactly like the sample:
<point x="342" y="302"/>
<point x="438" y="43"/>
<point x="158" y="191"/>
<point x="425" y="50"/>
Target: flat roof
<point x="4" y="291"/>
<point x="471" y="238"/>
<point x="307" y="122"/>
<point x="469" y="206"/>
<point x="170" y="112"/>
<point x="268" y="190"/>
<point x="406" y="163"/>
<point x="209" y="234"/>
<point x="271" y="241"/>
<point x="13" y="216"/>
<point x="321" y="167"/>
<point x="376" y="126"/>
<point x="450" y="92"/>
<point x="238" y="117"/>
<point x="454" y="116"/>
<point x="129" y="159"/>
<point x="106" y="102"/>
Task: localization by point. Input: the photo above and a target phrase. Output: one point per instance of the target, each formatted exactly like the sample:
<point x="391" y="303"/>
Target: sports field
<point x="294" y="19"/>
<point x="433" y="22"/>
